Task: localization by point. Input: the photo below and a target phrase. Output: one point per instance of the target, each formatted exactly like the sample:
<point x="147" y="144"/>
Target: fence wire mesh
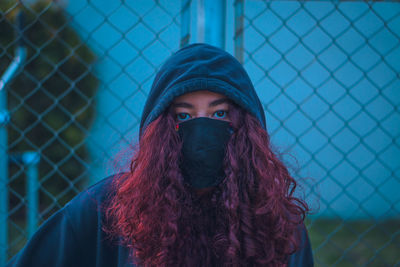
<point x="327" y="74"/>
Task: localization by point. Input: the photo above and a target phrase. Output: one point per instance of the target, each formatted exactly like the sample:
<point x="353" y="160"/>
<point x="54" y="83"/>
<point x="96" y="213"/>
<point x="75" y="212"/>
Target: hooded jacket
<point x="74" y="235"/>
<point x="201" y="67"/>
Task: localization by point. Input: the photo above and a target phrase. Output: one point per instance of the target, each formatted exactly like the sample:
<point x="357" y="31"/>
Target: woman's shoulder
<point x="73" y="235"/>
<point x="304" y="255"/>
<point x="89" y="205"/>
<point x="95" y="195"/>
<point x="86" y="216"/>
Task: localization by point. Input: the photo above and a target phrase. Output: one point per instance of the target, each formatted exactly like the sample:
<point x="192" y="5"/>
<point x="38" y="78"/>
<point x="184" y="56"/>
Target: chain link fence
<point x="327" y="74"/>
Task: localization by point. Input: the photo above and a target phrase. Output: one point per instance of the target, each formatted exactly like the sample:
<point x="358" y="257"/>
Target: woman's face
<point x="201" y="104"/>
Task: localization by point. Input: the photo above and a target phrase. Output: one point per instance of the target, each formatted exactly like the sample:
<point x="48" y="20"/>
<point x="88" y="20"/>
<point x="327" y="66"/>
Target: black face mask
<point x="203" y="150"/>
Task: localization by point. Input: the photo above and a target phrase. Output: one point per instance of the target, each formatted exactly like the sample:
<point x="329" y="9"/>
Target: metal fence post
<point x="200" y="23"/>
<point x="239" y="30"/>
<point x="215" y="16"/>
<point x="31" y="162"/>
<point x="211" y="22"/>
<point x="3" y="179"/>
<point x="10" y="72"/>
<point x="185" y="23"/>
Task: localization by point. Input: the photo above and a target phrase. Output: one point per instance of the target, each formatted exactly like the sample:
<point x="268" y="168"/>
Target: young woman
<point x="203" y="187"/>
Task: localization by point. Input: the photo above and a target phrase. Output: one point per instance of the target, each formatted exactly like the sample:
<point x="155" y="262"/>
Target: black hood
<point x="201" y="67"/>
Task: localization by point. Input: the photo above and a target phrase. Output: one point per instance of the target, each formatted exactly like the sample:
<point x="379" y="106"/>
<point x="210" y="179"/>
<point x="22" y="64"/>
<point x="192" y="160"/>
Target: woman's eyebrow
<point x="182" y="105"/>
<point x="218" y="102"/>
<point x="212" y="104"/>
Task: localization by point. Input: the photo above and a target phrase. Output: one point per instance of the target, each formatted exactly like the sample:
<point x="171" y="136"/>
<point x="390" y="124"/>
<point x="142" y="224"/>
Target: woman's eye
<point x="182" y="116"/>
<point x="220" y="114"/>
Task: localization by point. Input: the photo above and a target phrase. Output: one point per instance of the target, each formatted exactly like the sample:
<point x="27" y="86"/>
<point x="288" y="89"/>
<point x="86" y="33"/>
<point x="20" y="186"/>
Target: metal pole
<point x="200" y="21"/>
<point x="3" y="179"/>
<point x="4" y="119"/>
<point x="31" y="161"/>
<point x="215" y="21"/>
<point x="239" y="30"/>
<point x="16" y="63"/>
<point x="185" y="23"/>
<point x="19" y="58"/>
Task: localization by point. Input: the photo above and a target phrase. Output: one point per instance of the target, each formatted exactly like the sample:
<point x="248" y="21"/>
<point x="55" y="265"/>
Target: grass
<point x="355" y="243"/>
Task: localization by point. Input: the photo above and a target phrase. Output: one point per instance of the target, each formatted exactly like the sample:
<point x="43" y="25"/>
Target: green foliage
<point x="50" y="101"/>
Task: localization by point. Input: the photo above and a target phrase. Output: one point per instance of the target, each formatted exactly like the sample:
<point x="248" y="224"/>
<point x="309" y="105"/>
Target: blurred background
<point x="75" y="75"/>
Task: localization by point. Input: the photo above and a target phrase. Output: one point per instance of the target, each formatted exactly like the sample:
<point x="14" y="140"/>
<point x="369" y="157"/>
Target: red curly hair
<point x="251" y="219"/>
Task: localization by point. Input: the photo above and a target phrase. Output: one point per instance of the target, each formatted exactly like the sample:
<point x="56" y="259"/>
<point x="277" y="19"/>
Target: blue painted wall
<point x="331" y="97"/>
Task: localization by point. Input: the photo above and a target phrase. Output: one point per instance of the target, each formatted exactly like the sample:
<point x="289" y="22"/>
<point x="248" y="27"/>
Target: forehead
<point x="199" y="95"/>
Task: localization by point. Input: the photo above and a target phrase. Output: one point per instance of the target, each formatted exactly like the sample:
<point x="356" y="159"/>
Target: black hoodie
<point x="201" y="67"/>
<point x="73" y="236"/>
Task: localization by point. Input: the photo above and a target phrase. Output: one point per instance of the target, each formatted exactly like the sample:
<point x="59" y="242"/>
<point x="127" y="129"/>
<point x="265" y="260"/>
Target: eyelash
<point x="225" y="113"/>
